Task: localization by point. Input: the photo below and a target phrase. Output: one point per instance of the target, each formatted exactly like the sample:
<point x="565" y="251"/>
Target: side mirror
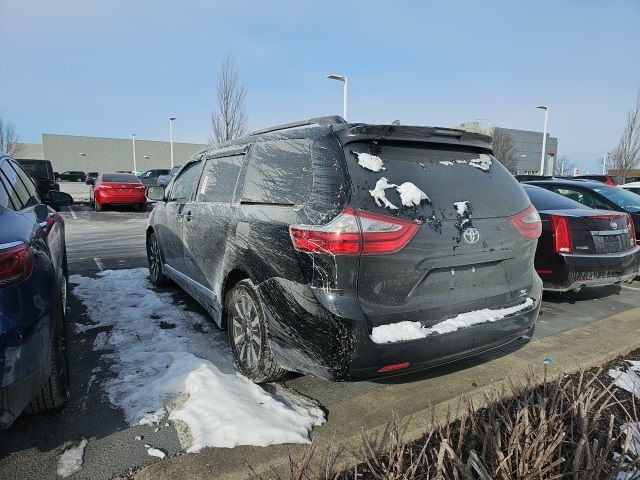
<point x="155" y="193"/>
<point x="59" y="199"/>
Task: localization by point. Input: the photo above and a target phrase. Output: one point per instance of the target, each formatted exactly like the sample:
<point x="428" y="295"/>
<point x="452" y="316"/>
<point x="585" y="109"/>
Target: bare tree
<point x="505" y="150"/>
<point x="626" y="155"/>
<point x="229" y="120"/>
<point x="9" y="140"/>
<point x="564" y="166"/>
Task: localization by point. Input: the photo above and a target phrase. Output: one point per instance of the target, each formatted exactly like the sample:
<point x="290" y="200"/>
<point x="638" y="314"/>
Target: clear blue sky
<point x="110" y="68"/>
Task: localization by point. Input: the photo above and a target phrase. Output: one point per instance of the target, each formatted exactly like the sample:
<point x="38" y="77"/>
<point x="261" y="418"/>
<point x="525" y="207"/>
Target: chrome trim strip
<point x="178" y="276"/>
<point x="626" y="253"/>
<point x="10" y="245"/>
<point x="609" y="232"/>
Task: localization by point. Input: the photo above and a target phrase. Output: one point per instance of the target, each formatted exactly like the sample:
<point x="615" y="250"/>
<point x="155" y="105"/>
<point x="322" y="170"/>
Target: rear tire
<point x="154" y="257"/>
<point x="247" y="331"/>
<point x="55" y="391"/>
<point x="142" y="207"/>
<point x="97" y="206"/>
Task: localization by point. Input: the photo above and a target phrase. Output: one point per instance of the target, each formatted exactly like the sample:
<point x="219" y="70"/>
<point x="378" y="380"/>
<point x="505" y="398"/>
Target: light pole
<point x="343" y="79"/>
<point x="133" y="138"/>
<point x="544" y="137"/>
<point x="171" y="119"/>
<point x="604" y="163"/>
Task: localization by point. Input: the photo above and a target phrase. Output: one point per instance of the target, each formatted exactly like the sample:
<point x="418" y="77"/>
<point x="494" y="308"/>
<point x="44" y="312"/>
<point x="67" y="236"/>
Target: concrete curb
<point x="415" y="404"/>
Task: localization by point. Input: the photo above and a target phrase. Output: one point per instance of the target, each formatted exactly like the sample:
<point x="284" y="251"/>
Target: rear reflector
<point x="355" y="232"/>
<point x="632" y="229"/>
<point x="527" y="223"/>
<point x="15" y="265"/>
<point x="561" y="235"/>
<point x="393" y="366"/>
<point x="544" y="271"/>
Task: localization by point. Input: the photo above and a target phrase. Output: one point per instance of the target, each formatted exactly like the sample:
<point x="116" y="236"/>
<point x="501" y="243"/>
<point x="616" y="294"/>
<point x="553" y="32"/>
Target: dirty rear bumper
<point x="581" y="270"/>
<point x="325" y="333"/>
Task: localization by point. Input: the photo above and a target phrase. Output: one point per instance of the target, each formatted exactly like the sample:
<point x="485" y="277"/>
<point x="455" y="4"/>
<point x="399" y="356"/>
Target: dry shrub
<point x="568" y="428"/>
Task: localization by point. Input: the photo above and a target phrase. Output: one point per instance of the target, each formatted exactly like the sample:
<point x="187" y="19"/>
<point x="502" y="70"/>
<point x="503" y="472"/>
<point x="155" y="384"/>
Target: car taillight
<point x="15" y="264"/>
<point x="355" y="232"/>
<point x="632" y="229"/>
<point x="527" y="223"/>
<point x="561" y="234"/>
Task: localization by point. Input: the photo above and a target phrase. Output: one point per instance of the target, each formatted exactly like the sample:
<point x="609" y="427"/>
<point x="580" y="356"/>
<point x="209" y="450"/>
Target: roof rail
<point x="329" y="120"/>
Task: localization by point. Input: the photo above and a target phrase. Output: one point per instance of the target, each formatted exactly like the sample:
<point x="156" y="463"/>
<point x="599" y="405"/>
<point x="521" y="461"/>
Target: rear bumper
<point x="578" y="270"/>
<point x="109" y="199"/>
<point x="326" y="334"/>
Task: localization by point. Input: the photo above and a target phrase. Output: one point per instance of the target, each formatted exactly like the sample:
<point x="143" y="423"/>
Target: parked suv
<point x="73" y="176"/>
<point x="350" y="250"/>
<point x="33" y="287"/>
<point x="150" y="177"/>
<point x="42" y="174"/>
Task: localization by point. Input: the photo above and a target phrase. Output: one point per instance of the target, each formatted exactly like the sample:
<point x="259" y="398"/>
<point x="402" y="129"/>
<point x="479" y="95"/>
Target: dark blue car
<point x="33" y="280"/>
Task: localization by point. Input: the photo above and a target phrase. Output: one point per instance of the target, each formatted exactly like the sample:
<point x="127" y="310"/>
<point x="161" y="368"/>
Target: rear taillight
<point x="632" y="229"/>
<point x="15" y="265"/>
<point x="355" y="232"/>
<point x="527" y="223"/>
<point x="561" y="235"/>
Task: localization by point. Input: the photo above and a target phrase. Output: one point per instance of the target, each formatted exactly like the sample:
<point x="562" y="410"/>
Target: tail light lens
<point x="632" y="229"/>
<point x="561" y="235"/>
<point x="527" y="223"/>
<point x="15" y="264"/>
<point x="355" y="232"/>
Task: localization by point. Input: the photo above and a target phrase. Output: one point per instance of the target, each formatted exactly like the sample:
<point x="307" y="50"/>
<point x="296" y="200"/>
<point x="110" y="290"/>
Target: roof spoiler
<point x="326" y="121"/>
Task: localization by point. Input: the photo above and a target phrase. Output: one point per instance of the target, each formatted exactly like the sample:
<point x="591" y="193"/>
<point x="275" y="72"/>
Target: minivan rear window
<point x="447" y="175"/>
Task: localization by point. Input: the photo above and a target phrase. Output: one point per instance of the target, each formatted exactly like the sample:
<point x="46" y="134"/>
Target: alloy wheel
<point x="247" y="337"/>
<point x="154" y="256"/>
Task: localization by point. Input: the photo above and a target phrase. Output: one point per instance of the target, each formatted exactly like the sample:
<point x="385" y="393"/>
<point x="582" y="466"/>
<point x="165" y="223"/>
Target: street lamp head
<point x="82" y="154"/>
<point x="542" y="107"/>
<point x="171" y="119"/>
<point x="133" y="134"/>
<point x="340" y="78"/>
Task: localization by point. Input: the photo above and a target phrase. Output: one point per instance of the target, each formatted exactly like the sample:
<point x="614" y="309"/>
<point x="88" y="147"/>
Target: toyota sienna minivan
<point x="350" y="251"/>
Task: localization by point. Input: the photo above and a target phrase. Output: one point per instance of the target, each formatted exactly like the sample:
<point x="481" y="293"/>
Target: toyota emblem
<point x="614" y="224"/>
<point x="471" y="235"/>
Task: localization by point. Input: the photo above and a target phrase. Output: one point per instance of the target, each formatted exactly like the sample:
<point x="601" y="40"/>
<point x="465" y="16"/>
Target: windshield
<point x="120" y="177"/>
<point x="621" y="197"/>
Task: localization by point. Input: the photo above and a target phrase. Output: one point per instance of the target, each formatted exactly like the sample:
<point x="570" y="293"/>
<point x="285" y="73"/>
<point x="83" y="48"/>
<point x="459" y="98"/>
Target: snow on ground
<point x="71" y="460"/>
<point x="159" y="353"/>
<point x="461" y="208"/>
<point x="379" y="196"/>
<point x="628" y="379"/>
<point x="410" y="195"/>
<point x="401" y="331"/>
<point x="370" y="162"/>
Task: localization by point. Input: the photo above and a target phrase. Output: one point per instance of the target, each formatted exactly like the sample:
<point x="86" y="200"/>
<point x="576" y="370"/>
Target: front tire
<point x="154" y="258"/>
<point x="247" y="330"/>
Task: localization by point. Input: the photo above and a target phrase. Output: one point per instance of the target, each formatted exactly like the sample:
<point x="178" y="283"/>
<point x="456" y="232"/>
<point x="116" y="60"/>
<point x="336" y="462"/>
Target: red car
<point x="608" y="179"/>
<point x="117" y="189"/>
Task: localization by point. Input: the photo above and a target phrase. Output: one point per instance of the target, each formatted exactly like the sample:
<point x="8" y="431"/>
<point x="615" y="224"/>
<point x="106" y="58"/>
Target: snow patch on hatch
<point x="370" y="162"/>
<point x="379" y="196"/>
<point x="403" y="331"/>
<point x="461" y="208"/>
<point x="410" y="195"/>
<point x="483" y="162"/>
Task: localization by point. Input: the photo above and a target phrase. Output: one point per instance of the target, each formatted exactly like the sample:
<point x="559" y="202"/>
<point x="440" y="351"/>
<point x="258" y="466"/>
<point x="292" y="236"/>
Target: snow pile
<point x="160" y="354"/>
<point x="379" y="196"/>
<point x="628" y="379"/>
<point x="410" y="195"/>
<point x="155" y="452"/>
<point x="370" y="162"/>
<point x="483" y="162"/>
<point x="461" y="208"/>
<point x="401" y="331"/>
<point x="71" y="460"/>
<point x="445" y="162"/>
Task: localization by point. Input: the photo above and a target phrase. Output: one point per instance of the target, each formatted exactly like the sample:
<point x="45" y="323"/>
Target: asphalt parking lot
<point x="115" y="240"/>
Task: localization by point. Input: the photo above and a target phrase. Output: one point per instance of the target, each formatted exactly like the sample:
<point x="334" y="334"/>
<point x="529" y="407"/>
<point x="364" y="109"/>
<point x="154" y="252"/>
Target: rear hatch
<point x="466" y="255"/>
<point x="124" y="189"/>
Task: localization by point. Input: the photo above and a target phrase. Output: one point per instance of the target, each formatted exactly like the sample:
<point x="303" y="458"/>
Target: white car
<point x="632" y="187"/>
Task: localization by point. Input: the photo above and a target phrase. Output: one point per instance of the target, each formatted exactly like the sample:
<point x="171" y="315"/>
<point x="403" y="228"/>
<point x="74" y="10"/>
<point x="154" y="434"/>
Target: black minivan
<point x="350" y="251"/>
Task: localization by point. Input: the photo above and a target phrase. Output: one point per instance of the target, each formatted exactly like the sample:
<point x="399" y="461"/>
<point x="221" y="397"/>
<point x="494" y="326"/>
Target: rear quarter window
<point x="278" y="172"/>
<point x="219" y="179"/>
<point x="446" y="174"/>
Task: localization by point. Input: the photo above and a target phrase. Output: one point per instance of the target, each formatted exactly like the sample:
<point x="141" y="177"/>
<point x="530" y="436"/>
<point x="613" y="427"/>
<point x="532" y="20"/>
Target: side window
<point x="584" y="197"/>
<point x="185" y="184"/>
<point x="219" y="179"/>
<point x="20" y="195"/>
<point x="278" y="172"/>
<point x="4" y="196"/>
<point x="28" y="183"/>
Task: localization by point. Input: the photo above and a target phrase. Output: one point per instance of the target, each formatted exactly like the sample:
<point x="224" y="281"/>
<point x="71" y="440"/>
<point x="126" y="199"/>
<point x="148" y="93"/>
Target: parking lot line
<point x="99" y="263"/>
<point x="73" y="214"/>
